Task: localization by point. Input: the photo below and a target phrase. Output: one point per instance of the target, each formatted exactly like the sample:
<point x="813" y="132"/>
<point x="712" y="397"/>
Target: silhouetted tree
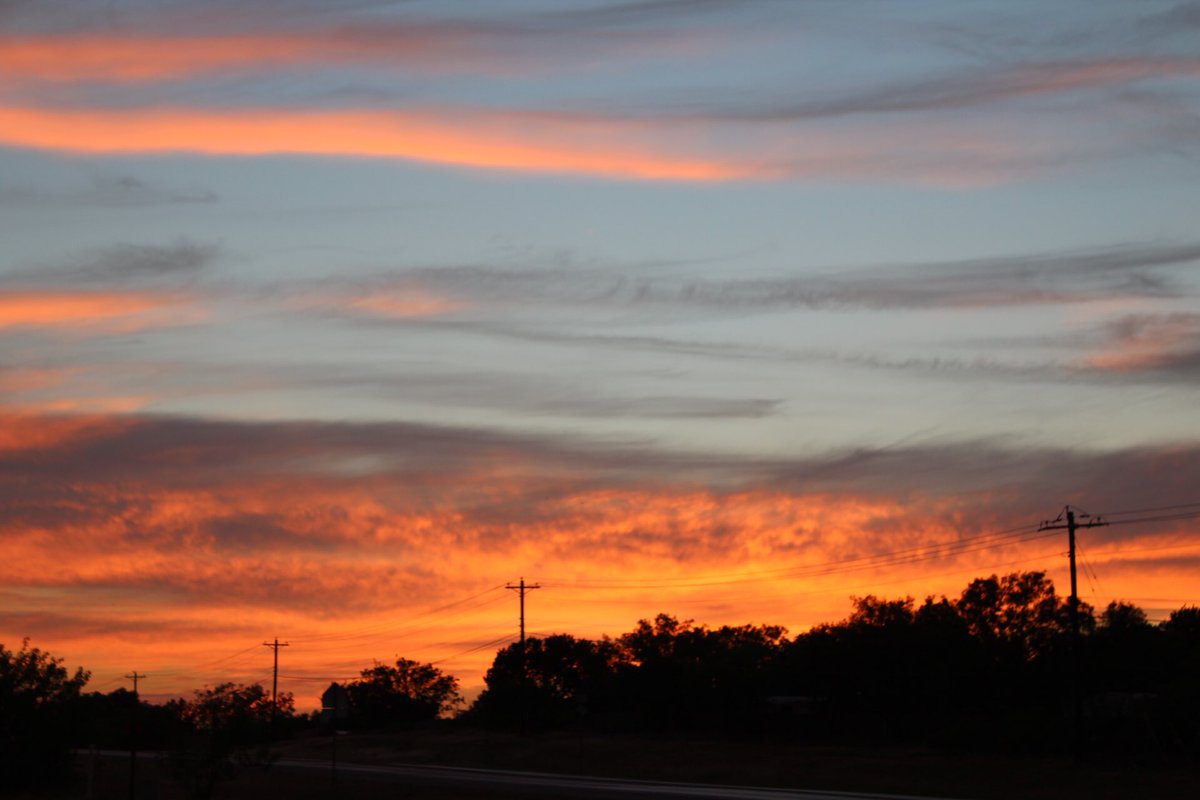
<point x="405" y="693"/>
<point x="38" y="698"/>
<point x="1183" y="624"/>
<point x="978" y="669"/>
<point x="688" y="675"/>
<point x="553" y="681"/>
<point x="946" y="661"/>
<point x="114" y="720"/>
<point x="1180" y="694"/>
<point x="989" y="669"/>
<point x="230" y="726"/>
<point x="1126" y="652"/>
<point x="866" y="667"/>
<point x="1120" y="618"/>
<point x="1020" y="610"/>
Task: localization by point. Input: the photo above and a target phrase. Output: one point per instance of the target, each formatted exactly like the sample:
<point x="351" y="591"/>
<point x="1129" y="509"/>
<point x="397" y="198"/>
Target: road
<point x="575" y="785"/>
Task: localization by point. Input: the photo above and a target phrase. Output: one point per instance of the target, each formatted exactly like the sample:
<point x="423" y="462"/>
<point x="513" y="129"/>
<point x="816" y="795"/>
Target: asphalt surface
<point x="574" y="785"/>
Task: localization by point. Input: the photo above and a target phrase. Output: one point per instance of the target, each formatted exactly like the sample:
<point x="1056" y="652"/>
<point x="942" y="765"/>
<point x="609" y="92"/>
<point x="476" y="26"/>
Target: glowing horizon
<point x="203" y="508"/>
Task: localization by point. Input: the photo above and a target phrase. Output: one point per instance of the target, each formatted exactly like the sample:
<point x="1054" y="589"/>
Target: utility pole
<point x="1066" y="521"/>
<point x="133" y="734"/>
<point x="521" y="588"/>
<point x="275" y="681"/>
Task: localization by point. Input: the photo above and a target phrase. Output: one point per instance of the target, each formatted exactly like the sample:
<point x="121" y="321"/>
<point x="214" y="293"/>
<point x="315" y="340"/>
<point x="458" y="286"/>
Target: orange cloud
<point x="26" y="379"/>
<point x="313" y="559"/>
<point x="1147" y="342"/>
<point x="442" y="46"/>
<point x="116" y="404"/>
<point x="392" y="302"/>
<point x="692" y="150"/>
<point x="34" y="431"/>
<point x="498" y="141"/>
<point x="407" y="304"/>
<point x="133" y="59"/>
<point x="1063" y="76"/>
<point x="113" y="312"/>
<point x="79" y="391"/>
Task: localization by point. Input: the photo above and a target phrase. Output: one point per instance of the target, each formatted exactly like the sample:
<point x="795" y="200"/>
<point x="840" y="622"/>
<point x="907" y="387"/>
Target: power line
<point x="1185" y="601"/>
<point x="1168" y="517"/>
<point x="1149" y="510"/>
<point x="1139" y="550"/>
<point x="897" y="556"/>
<point x="408" y="630"/>
<point x="506" y="639"/>
<point x="197" y="671"/>
<point x="1089" y="569"/>
<point x="789" y="595"/>
<point x="381" y="629"/>
<point x="998" y="537"/>
<point x="940" y="551"/>
<point x="201" y="667"/>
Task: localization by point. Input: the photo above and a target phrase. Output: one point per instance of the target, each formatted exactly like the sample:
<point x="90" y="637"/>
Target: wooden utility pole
<point x="1066" y="521"/>
<point x="521" y="588"/>
<point x="275" y="681"/>
<point x="133" y="734"/>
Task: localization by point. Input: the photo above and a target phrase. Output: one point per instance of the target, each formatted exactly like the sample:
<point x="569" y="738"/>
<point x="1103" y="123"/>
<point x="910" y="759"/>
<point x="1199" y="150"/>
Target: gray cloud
<point x="543" y="395"/>
<point x="941" y="93"/>
<point x="1120" y="271"/>
<point x="122" y="191"/>
<point x="180" y="261"/>
<point x="931" y="366"/>
<point x="1174" y="21"/>
<point x="1152" y="346"/>
<point x="1026" y="279"/>
<point x="165" y="451"/>
<point x="131" y="261"/>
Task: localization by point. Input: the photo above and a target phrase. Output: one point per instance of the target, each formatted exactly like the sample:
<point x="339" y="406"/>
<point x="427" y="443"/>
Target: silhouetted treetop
<point x="37" y="699"/>
<point x="407" y="692"/>
<point x="1021" y="609"/>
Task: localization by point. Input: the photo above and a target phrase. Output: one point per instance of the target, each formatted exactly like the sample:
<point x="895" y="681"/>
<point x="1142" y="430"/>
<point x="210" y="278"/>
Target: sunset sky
<point x="323" y="321"/>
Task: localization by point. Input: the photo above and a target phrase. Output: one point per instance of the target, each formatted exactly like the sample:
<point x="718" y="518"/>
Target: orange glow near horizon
<point x="176" y="644"/>
<point x="146" y="571"/>
<point x="497" y="141"/>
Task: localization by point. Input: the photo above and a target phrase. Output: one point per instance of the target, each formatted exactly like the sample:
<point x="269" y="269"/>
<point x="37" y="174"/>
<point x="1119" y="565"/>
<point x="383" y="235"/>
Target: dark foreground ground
<point x="881" y="770"/>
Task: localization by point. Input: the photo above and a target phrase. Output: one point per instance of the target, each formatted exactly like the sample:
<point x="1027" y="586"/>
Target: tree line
<point x="996" y="667"/>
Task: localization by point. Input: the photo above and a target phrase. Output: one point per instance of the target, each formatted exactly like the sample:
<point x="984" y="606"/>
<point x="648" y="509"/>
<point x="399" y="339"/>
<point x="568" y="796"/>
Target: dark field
<point x="880" y="770"/>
